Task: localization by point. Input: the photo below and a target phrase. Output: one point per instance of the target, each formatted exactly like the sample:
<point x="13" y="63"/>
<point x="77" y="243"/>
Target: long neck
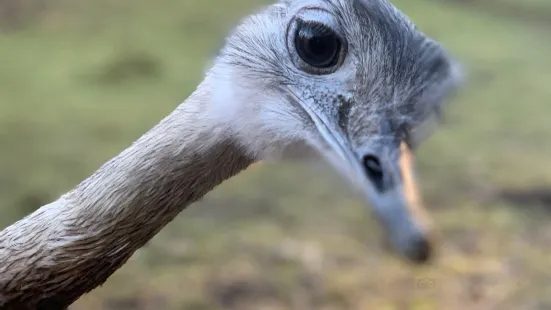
<point x="70" y="246"/>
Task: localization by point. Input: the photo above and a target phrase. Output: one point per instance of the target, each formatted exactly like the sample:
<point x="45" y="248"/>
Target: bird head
<point x="353" y="79"/>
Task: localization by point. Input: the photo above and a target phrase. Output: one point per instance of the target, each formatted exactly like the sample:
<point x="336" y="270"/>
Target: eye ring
<point x="314" y="44"/>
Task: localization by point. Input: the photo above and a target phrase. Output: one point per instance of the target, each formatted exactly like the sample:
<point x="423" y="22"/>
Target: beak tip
<point x="420" y="250"/>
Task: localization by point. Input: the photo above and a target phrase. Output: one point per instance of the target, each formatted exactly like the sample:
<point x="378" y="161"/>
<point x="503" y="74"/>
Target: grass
<point x="81" y="80"/>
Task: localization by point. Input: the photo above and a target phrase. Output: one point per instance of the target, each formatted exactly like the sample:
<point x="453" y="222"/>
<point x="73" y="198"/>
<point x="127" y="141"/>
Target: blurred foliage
<point x="80" y="80"/>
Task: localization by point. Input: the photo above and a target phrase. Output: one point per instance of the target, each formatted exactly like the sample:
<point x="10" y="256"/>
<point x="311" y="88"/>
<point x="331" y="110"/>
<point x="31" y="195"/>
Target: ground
<point x="81" y="80"/>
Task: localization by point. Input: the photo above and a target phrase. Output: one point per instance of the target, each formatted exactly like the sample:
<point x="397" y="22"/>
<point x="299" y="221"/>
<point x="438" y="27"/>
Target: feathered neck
<point x="70" y="246"/>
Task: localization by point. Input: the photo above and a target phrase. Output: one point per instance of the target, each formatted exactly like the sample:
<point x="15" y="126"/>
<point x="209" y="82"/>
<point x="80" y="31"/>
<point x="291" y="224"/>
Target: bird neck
<point x="70" y="246"/>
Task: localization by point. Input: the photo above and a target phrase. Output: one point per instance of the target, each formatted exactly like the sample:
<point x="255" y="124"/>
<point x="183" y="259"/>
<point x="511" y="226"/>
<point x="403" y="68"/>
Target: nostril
<point x="374" y="170"/>
<point x="373" y="166"/>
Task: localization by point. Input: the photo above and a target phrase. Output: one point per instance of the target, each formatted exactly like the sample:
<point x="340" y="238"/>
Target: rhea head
<point x="354" y="80"/>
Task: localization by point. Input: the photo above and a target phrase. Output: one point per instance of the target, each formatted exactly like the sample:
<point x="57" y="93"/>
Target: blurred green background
<point x="81" y="80"/>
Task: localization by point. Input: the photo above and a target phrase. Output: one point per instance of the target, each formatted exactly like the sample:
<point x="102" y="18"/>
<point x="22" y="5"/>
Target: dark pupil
<point x="317" y="45"/>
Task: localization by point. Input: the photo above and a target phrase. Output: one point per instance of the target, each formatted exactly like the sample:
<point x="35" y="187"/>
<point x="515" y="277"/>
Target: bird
<point x="353" y="80"/>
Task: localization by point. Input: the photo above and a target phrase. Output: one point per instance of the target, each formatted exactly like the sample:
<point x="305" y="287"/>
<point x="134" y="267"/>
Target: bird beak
<point x="394" y="196"/>
<point x="398" y="206"/>
<point x="394" y="199"/>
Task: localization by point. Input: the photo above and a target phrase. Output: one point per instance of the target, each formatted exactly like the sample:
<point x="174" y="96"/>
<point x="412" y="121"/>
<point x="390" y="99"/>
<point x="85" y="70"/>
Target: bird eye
<point x="317" y="45"/>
